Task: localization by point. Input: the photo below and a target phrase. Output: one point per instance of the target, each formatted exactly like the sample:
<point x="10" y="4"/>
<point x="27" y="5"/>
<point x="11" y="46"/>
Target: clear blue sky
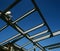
<point x="49" y="8"/>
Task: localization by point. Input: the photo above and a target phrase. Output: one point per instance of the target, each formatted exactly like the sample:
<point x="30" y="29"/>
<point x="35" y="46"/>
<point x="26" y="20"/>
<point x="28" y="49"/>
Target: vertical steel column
<point x="39" y="11"/>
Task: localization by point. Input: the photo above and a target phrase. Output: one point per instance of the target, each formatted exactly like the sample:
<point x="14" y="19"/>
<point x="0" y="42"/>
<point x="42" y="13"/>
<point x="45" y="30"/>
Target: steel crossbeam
<point x="38" y="34"/>
<point x="47" y="36"/>
<point x="41" y="15"/>
<point x="12" y="39"/>
<point x="23" y="33"/>
<point x="25" y="15"/>
<point x="53" y="46"/>
<point x="17" y="28"/>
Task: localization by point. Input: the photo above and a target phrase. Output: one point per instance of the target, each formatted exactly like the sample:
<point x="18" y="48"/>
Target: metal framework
<point x="10" y="45"/>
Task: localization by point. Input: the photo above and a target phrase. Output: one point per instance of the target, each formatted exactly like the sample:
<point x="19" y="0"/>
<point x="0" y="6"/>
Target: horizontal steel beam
<point x="38" y="34"/>
<point x="41" y="15"/>
<point x="20" y="47"/>
<point x="26" y="44"/>
<point x="53" y="46"/>
<point x="34" y="28"/>
<point x="34" y="47"/>
<point x="3" y="27"/>
<point x="10" y="40"/>
<point x="47" y="36"/>
<point x="25" y="15"/>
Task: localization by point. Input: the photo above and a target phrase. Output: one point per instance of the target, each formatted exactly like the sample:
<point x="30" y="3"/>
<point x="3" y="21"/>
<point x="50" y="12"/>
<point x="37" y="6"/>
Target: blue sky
<point x="49" y="8"/>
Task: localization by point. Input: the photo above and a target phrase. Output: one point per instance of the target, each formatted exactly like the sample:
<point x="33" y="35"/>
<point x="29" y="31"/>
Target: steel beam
<point x="17" y="28"/>
<point x="25" y="15"/>
<point x="41" y="15"/>
<point x="38" y="34"/>
<point x="12" y="39"/>
<point x="34" y="28"/>
<point x="26" y="44"/>
<point x="47" y="36"/>
<point x="53" y="46"/>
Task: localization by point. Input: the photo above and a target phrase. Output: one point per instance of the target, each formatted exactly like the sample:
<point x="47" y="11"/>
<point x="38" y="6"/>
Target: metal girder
<point x="41" y="15"/>
<point x="12" y="39"/>
<point x="33" y="48"/>
<point x="34" y="28"/>
<point x="12" y="5"/>
<point x="47" y="36"/>
<point x="25" y="15"/>
<point x="43" y="32"/>
<point x="53" y="46"/>
<point x="7" y="9"/>
<point x="17" y="28"/>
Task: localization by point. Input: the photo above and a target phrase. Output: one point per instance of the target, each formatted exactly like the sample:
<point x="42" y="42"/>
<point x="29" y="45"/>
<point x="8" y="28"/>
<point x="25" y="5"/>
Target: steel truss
<point x="11" y="41"/>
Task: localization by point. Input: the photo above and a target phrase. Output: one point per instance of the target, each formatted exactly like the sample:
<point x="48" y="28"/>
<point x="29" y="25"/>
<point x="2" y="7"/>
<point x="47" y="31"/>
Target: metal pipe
<point x="12" y="38"/>
<point x="26" y="44"/>
<point x="17" y="28"/>
<point x="53" y="46"/>
<point x="25" y="15"/>
<point x="30" y="49"/>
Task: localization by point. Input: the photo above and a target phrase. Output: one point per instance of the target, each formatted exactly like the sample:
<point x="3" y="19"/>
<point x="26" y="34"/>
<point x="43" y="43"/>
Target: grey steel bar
<point x="38" y="34"/>
<point x="25" y="15"/>
<point x="17" y="28"/>
<point x="53" y="46"/>
<point x="26" y="44"/>
<point x="39" y="26"/>
<point x="10" y="40"/>
<point x="30" y="49"/>
<point x="3" y="27"/>
<point x="47" y="36"/>
<point x="41" y="15"/>
<point x="20" y="47"/>
<point x="31" y="11"/>
<point x="12" y="5"/>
